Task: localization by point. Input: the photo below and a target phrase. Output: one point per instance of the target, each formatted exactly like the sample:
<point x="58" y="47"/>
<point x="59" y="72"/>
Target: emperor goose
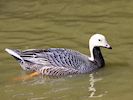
<point x="60" y="61"/>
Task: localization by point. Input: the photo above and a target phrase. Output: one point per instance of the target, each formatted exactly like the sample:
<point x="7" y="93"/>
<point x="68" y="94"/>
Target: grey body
<point x="59" y="61"/>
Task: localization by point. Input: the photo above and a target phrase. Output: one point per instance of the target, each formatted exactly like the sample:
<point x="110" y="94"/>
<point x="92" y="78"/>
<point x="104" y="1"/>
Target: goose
<point x="61" y="61"/>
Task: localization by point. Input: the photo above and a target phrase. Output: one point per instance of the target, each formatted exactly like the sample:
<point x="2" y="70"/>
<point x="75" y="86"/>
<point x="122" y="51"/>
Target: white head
<point x="98" y="40"/>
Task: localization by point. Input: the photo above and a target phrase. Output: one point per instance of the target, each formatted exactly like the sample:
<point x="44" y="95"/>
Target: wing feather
<point x="54" y="60"/>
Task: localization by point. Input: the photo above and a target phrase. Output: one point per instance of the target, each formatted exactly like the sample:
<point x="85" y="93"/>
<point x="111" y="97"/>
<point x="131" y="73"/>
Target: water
<point x="28" y="24"/>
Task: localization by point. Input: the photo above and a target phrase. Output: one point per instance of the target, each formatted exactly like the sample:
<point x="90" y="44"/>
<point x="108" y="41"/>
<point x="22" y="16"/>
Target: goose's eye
<point x="99" y="39"/>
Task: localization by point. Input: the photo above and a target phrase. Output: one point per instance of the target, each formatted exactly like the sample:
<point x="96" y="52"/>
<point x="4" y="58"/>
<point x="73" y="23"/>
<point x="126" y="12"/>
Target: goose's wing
<point x="55" y="59"/>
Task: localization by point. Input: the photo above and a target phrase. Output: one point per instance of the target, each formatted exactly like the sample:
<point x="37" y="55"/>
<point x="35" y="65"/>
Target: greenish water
<point x="28" y="24"/>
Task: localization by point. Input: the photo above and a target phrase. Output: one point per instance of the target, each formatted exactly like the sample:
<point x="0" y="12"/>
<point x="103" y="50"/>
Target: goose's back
<point x="56" y="57"/>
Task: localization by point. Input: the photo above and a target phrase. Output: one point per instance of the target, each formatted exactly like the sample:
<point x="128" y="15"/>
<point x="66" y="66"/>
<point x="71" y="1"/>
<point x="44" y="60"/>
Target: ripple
<point x="22" y="94"/>
<point x="38" y="98"/>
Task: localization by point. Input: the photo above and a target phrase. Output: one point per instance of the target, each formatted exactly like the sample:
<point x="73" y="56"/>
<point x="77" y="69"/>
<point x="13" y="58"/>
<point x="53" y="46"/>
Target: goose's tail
<point x="14" y="54"/>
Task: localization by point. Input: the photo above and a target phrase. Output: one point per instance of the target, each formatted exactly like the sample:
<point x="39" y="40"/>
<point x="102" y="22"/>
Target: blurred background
<point x="26" y="24"/>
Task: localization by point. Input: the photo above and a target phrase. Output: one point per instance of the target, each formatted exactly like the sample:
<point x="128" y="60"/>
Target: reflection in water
<point x="36" y="81"/>
<point x="92" y="89"/>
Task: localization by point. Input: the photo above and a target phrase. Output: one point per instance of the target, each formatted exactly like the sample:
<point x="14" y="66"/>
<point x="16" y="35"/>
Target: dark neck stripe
<point x="98" y="56"/>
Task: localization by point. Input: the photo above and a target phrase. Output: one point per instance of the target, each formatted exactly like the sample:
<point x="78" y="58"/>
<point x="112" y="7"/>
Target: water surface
<point x="26" y="24"/>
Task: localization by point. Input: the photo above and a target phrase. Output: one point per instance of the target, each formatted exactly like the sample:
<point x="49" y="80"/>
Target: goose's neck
<point x="96" y="56"/>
